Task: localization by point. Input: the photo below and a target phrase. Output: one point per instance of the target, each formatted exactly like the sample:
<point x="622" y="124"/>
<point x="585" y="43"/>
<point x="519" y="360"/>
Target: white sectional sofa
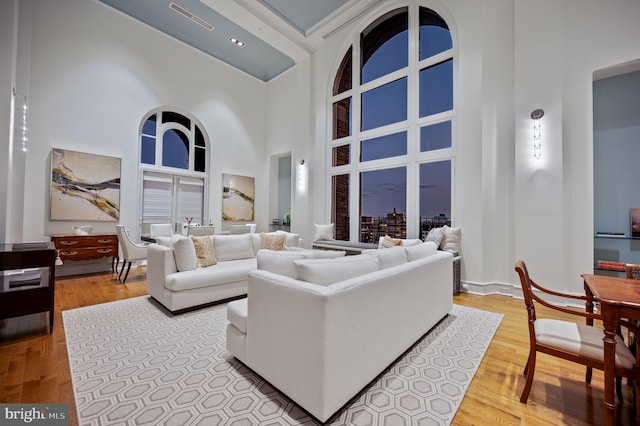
<point x="175" y="280"/>
<point x="322" y="329"/>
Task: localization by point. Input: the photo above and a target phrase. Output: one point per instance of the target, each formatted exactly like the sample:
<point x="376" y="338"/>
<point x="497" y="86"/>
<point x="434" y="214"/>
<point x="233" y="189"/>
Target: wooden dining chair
<point x="579" y="343"/>
<point x="633" y="271"/>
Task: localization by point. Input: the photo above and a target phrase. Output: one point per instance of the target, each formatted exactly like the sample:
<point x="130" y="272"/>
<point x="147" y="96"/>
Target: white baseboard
<point x="515" y="291"/>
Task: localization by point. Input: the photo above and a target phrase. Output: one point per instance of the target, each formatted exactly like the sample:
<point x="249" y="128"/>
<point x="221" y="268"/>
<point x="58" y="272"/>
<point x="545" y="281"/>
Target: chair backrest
<point x="123" y="238"/>
<point x="633" y="271"/>
<point x="161" y="229"/>
<point x="240" y="229"/>
<point x="200" y="231"/>
<point x="525" y="283"/>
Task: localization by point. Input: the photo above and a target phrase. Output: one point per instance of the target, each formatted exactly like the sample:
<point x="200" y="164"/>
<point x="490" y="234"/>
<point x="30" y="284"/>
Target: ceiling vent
<point x="184" y="12"/>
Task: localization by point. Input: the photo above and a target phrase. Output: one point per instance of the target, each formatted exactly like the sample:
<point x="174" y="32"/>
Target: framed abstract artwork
<point x="237" y="197"/>
<point x="84" y="186"/>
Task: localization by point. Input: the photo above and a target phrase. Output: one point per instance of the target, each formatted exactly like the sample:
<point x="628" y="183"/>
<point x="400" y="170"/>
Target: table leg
<point x="610" y="321"/>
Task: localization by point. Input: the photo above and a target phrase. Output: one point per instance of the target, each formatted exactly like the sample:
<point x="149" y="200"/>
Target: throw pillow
<point x="272" y="241"/>
<point x="291" y="239"/>
<point x="388" y="258"/>
<point x="330" y="271"/>
<point x="421" y="250"/>
<point x="233" y="247"/>
<point x="184" y="253"/>
<point x="279" y="262"/>
<point x="436" y="235"/>
<point x="323" y="232"/>
<point x="205" y="253"/>
<point x="387" y="241"/>
<point x="452" y="239"/>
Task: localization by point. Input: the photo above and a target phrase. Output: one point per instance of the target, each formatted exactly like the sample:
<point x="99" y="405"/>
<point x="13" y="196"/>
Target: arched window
<point x="391" y="142"/>
<point x="173" y="161"/>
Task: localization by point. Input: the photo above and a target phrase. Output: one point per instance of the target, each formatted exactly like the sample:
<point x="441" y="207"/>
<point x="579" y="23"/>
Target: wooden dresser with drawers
<point x="85" y="247"/>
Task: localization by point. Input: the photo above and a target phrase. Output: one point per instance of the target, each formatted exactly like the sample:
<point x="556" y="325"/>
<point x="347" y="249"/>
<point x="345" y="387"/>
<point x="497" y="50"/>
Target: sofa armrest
<point x="160" y="263"/>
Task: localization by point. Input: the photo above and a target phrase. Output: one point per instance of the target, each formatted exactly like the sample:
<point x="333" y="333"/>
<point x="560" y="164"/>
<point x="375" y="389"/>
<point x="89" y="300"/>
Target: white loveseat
<point x="325" y="328"/>
<point x="177" y="283"/>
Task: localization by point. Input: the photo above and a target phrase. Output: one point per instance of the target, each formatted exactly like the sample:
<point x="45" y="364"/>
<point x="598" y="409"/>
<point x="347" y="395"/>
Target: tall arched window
<point x="173" y="161"/>
<point x="392" y="144"/>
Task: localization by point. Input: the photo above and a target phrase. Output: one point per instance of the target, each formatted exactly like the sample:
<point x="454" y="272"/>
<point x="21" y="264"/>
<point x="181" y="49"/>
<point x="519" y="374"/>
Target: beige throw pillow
<point x="387" y="242"/>
<point x="272" y="241"/>
<point x="205" y="251"/>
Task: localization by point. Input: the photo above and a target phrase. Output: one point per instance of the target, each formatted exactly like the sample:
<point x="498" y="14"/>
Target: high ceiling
<point x="276" y="33"/>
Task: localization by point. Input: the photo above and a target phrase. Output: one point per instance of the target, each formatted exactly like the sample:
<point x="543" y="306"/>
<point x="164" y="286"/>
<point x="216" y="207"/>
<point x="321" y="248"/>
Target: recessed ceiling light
<point x="236" y="42"/>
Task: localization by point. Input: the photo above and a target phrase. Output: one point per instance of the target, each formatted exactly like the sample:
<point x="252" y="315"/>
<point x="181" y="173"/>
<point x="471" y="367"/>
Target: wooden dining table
<point x="618" y="298"/>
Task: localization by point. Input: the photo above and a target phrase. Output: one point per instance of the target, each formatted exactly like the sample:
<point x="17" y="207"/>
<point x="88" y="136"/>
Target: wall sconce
<point x="536" y="115"/>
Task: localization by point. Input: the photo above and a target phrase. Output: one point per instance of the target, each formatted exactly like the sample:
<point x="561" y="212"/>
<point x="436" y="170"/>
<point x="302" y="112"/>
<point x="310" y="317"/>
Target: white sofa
<point x="324" y="331"/>
<point x="177" y="283"/>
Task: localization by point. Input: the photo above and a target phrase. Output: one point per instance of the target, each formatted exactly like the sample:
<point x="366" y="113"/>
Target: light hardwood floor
<point x="34" y="365"/>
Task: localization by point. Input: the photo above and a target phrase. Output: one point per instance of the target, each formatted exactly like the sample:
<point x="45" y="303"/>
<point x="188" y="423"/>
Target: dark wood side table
<point x="34" y="290"/>
<point x="85" y="247"/>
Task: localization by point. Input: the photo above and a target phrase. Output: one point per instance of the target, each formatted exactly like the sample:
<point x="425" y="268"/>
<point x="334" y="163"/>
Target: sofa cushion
<point x="451" y="240"/>
<point x="421" y="250"/>
<point x="323" y="232"/>
<point x="279" y="262"/>
<point x="233" y="247"/>
<point x="291" y="240"/>
<point x="387" y="241"/>
<point x="223" y="273"/>
<point x="436" y="235"/>
<point x="272" y="241"/>
<point x="237" y="314"/>
<point x="409" y="242"/>
<point x="329" y="271"/>
<point x="167" y="241"/>
<point x="184" y="253"/>
<point x="390" y="257"/>
<point x="205" y="253"/>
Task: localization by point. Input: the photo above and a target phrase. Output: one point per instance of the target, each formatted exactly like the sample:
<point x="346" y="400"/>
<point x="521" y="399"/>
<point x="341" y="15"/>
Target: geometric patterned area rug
<point x="131" y="363"/>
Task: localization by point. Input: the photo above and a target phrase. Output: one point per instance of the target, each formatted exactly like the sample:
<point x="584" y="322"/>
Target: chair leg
<point x="530" y="370"/>
<point x="127" y="274"/>
<point x="526" y="366"/>
<point x="587" y="379"/>
<point x="619" y="389"/>
<point x="122" y="270"/>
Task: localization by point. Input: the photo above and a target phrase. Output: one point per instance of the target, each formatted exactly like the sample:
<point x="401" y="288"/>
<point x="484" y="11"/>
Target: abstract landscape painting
<point x="237" y="197"/>
<point x="84" y="186"/>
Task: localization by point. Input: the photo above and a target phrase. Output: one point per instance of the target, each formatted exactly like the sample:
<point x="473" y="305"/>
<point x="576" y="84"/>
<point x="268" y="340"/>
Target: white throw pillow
<point x="410" y="242"/>
<point x="421" y="250"/>
<point x="452" y="239"/>
<point x="167" y="241"/>
<point x="279" y="261"/>
<point x="389" y="257"/>
<point x="291" y="240"/>
<point x="436" y="235"/>
<point x="329" y="271"/>
<point x="233" y="247"/>
<point x="184" y="252"/>
<point x="323" y="232"/>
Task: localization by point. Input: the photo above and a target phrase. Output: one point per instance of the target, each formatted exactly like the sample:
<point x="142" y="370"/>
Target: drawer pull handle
<point x="104" y="251"/>
<point x="105" y="241"/>
<point x="68" y="253"/>
<point x="68" y="243"/>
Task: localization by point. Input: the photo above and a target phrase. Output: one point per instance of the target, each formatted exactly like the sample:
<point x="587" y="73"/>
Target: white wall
<point x="96" y="72"/>
<point x="512" y="57"/>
